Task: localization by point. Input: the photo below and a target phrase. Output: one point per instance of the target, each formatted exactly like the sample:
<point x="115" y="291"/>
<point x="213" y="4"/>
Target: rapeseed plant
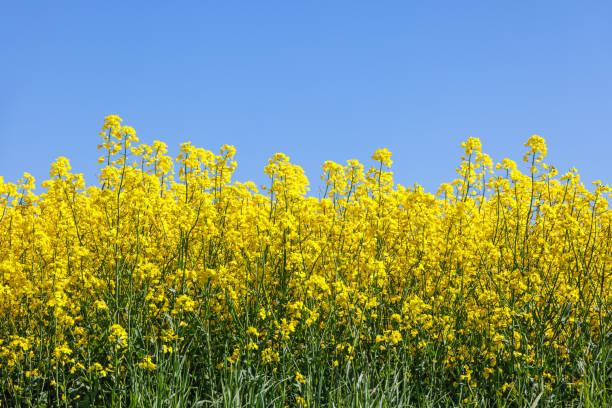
<point x="168" y="284"/>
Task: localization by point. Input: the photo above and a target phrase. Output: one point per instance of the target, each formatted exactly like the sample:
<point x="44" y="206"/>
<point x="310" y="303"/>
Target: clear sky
<point x="316" y="80"/>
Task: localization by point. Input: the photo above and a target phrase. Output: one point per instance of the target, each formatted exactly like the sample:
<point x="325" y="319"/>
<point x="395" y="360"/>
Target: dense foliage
<point x="167" y="284"/>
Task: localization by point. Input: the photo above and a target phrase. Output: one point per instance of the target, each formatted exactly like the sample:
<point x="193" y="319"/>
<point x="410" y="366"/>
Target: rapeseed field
<point x="167" y="284"/>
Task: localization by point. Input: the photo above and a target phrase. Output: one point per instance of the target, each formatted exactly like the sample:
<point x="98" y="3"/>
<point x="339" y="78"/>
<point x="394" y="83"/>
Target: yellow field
<point x="169" y="284"/>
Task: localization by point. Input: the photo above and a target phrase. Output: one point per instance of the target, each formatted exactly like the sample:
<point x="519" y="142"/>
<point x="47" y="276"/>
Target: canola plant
<point x="495" y="289"/>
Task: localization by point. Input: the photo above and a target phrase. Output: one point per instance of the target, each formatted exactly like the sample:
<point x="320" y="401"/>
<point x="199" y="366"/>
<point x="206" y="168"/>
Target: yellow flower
<point x="395" y="337"/>
<point x="118" y="335"/>
<point x="383" y="156"/>
<point x="252" y="331"/>
<point x="100" y="305"/>
<point x="147" y="364"/>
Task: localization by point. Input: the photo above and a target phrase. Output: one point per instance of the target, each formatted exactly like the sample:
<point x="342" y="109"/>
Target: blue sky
<point x="317" y="80"/>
